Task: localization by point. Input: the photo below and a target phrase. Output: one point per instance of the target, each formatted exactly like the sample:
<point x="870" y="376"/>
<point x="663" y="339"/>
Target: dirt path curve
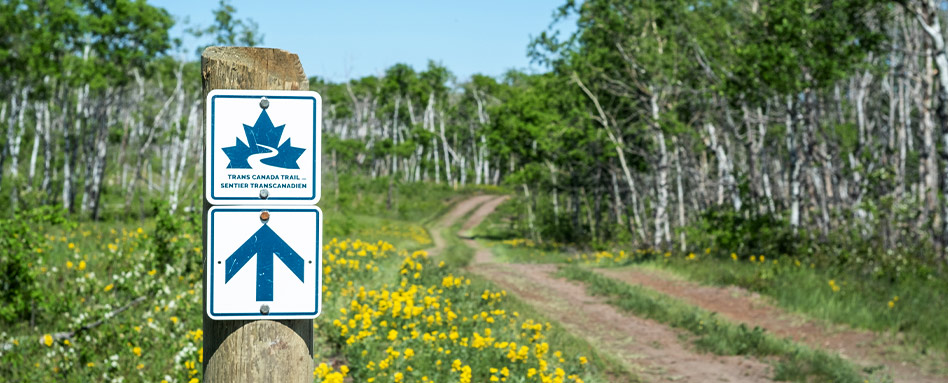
<point x="741" y="306"/>
<point x="455" y="214"/>
<point x="651" y="350"/>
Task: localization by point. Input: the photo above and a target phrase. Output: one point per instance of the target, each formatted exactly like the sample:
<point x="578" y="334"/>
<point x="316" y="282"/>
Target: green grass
<point x="413" y="202"/>
<point x="794" y="362"/>
<point x="85" y="271"/>
<point x="504" y="251"/>
<point x="605" y="367"/>
<point x="465" y="300"/>
<point x="498" y="225"/>
<point x="457" y="256"/>
<point x="858" y="301"/>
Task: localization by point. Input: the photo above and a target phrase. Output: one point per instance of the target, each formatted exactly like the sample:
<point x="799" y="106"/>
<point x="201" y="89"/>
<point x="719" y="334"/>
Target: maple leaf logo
<point x="262" y="147"/>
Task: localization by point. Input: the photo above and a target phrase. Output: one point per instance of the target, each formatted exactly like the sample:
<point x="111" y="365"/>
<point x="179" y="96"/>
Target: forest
<point x="812" y="132"/>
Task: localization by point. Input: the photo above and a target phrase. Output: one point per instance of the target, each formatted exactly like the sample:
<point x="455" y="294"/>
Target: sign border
<point x="273" y="95"/>
<point x="257" y="315"/>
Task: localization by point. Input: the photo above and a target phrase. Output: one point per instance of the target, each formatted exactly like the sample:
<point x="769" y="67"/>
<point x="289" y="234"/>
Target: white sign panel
<point x="264" y="265"/>
<point x="263" y="147"/>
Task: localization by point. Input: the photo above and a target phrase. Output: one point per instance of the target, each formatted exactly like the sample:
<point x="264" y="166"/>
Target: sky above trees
<point x="337" y="40"/>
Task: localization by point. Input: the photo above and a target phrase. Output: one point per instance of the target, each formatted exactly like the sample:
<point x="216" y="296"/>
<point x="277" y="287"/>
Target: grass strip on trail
<point x="457" y="256"/>
<point x="795" y="362"/>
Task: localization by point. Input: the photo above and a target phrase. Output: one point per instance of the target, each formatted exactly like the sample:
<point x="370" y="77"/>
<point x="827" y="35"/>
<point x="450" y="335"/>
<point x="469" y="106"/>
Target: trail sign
<point x="263" y="262"/>
<point x="263" y="147"/>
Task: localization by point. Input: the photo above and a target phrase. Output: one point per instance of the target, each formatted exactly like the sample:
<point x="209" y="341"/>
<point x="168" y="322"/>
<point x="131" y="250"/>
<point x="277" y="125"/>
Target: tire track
<point x="652" y="350"/>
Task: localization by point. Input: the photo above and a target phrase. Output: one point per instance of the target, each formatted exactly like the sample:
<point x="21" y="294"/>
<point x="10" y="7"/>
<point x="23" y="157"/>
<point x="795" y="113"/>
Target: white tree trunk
<point x="725" y="169"/>
<point x="680" y="196"/>
<point x="38" y="112"/>
<point x="447" y="151"/>
<point x="14" y="138"/>
<point x="45" y="186"/>
<point x="795" y="165"/>
<point x="661" y="184"/>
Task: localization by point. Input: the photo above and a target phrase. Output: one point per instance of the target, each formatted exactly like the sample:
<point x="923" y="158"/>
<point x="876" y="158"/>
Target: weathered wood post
<point x="263" y="350"/>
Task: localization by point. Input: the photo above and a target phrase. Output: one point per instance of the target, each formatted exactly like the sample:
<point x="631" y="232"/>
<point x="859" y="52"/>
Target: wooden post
<point x="262" y="350"/>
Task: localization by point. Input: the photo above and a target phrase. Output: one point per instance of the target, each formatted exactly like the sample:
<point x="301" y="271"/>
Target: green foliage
<point x="228" y="30"/>
<point x="168" y="246"/>
<point x="724" y="228"/>
<point x="860" y="300"/>
<point x="98" y="43"/>
<point x="20" y="238"/>
<point x="792" y="45"/>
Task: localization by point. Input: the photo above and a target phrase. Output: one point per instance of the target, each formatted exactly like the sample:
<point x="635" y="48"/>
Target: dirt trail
<point x="740" y="306"/>
<point x="651" y="350"/>
<point x="456" y="213"/>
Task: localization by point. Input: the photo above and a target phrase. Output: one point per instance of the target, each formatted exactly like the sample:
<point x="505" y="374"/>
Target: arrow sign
<point x="266" y="244"/>
<point x="245" y="280"/>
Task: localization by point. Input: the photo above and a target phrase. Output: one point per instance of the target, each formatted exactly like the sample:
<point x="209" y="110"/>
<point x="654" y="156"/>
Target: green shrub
<point x="167" y="242"/>
<point x="724" y="228"/>
<point x="20" y="237"/>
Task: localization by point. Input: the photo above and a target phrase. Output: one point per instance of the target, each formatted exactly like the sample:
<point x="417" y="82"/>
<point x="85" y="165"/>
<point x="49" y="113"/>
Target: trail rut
<point x="741" y="306"/>
<point x="653" y="351"/>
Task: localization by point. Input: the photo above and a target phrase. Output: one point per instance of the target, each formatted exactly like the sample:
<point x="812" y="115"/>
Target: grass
<point x="917" y="305"/>
<point x="458" y="255"/>
<point x="499" y="224"/>
<point x="908" y="307"/>
<point x="524" y="251"/>
<point x="794" y="362"/>
<point x="86" y="271"/>
<point x="383" y="350"/>
<point x="607" y="367"/>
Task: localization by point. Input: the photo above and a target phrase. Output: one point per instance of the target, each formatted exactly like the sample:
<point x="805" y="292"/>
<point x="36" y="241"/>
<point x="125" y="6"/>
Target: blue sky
<point x="350" y="39"/>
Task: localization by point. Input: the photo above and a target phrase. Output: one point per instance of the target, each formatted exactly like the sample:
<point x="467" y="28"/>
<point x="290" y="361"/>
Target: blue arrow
<point x="265" y="243"/>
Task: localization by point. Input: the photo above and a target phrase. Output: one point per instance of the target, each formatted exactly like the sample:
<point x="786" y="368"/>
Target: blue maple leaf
<point x="263" y="138"/>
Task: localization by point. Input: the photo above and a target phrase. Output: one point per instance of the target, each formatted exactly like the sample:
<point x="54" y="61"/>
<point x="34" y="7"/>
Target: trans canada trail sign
<point x="263" y="147"/>
<point x="264" y="262"/>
